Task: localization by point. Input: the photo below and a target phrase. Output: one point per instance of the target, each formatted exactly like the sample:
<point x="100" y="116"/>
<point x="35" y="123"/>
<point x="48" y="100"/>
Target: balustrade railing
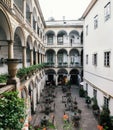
<point x="7" y="3"/>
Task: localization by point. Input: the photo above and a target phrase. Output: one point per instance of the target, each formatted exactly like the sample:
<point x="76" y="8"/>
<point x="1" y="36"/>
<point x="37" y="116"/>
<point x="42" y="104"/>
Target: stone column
<point x="56" y="60"/>
<point x="31" y="57"/>
<point x="24" y="56"/>
<point x="56" y="80"/>
<point x="36" y="58"/>
<point x="10" y="50"/>
<point x="31" y="17"/>
<point x="68" y="60"/>
<point x="40" y="57"/>
<point x="55" y="40"/>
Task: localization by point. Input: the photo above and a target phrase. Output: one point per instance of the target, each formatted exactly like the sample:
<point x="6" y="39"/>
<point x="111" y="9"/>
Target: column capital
<point x="10" y="41"/>
<point x="24" y="47"/>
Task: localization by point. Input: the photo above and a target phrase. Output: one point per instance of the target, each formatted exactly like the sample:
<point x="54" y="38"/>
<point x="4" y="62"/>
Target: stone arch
<point x="74" y="37"/>
<point x="62" y="75"/>
<point x="62" y="56"/>
<point x="19" y="42"/>
<point x="74" y="79"/>
<point x="50" y="55"/>
<point x="50" y="34"/>
<point x="74" y="56"/>
<point x="19" y="31"/>
<point x="6" y="34"/>
<point x="50" y="76"/>
<point x="61" y="36"/>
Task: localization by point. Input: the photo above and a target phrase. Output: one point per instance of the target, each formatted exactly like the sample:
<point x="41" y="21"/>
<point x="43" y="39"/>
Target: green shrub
<point x="3" y="78"/>
<point x="12" y="111"/>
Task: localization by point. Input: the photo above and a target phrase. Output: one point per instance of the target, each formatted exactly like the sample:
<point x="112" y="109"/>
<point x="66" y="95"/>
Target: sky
<point x="71" y="9"/>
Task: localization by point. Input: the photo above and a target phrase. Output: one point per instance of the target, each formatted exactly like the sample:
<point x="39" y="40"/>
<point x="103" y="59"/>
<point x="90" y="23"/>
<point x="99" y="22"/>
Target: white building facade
<point x="98" y="51"/>
<point x="64" y="50"/>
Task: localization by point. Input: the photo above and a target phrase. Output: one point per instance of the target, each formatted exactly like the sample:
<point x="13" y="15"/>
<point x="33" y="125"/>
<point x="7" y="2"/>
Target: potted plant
<point x="95" y="107"/>
<point x="81" y="92"/>
<point x="105" y="119"/>
<point x="88" y="100"/>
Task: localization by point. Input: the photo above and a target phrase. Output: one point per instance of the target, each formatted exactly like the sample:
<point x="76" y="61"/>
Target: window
<point x="106" y="59"/>
<point x="96" y="22"/>
<point x="95" y="59"/>
<point x="95" y="93"/>
<point x="106" y="102"/>
<point x="86" y="59"/>
<point x="86" y="30"/>
<point x="50" y="39"/>
<point x="60" y="39"/>
<point x="107" y="11"/>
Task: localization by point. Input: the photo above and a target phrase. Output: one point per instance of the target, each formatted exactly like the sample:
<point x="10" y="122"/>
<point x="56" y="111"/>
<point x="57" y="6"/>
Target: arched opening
<point x="62" y="76"/>
<point x="50" y="37"/>
<point x="74" y="76"/>
<point x="5" y="37"/>
<point x="50" y="56"/>
<point x="28" y="48"/>
<point x="61" y="37"/>
<point x="62" y="57"/>
<point x="50" y="76"/>
<point x="18" y="43"/>
<point x="74" y="37"/>
<point x="74" y="57"/>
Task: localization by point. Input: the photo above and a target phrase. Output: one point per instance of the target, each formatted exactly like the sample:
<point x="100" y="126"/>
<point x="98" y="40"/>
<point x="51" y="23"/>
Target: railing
<point x="7" y="3"/>
<point x="18" y="12"/>
<point x="49" y="65"/>
<point x="62" y="65"/>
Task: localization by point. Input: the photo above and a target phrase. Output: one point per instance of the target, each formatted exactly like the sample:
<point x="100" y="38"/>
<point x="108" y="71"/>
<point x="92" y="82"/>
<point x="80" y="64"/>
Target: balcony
<point x="62" y="64"/>
<point x="75" y="64"/>
<point x="49" y="64"/>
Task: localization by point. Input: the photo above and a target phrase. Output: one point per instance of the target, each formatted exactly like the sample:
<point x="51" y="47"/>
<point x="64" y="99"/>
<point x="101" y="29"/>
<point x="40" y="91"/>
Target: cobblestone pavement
<point x="87" y="121"/>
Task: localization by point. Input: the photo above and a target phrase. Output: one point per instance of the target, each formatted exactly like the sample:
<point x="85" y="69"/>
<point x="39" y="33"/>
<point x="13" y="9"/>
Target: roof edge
<point x="90" y="6"/>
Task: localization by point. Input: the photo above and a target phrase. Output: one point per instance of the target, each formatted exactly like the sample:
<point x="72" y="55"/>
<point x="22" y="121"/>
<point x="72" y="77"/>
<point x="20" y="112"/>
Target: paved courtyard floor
<point x="87" y="121"/>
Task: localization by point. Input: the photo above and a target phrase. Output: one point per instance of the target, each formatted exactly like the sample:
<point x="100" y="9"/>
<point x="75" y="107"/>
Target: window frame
<point x="94" y="59"/>
<point x="107" y="11"/>
<point x="96" y="22"/>
<point x="87" y="58"/>
<point x="107" y="55"/>
<point x="87" y="30"/>
<point x="106" y="102"/>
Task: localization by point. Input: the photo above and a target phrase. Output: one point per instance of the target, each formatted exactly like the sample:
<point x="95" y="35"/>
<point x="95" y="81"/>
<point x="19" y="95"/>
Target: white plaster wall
<point x="98" y="41"/>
